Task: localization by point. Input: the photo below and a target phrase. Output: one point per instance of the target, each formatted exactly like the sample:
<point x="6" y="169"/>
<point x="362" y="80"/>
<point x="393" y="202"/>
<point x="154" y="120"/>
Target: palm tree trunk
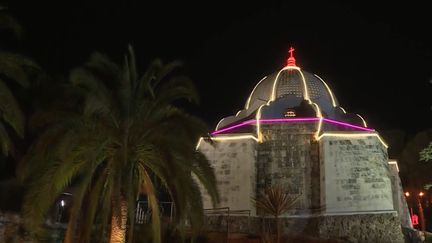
<point x="118" y="227"/>
<point x="277" y="229"/>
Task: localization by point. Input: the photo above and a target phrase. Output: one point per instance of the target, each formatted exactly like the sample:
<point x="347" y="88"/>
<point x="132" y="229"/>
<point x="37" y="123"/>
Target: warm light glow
<point x="306" y="94"/>
<point x="353" y="135"/>
<point x="421" y="194"/>
<point x="320" y="119"/>
<point x="217" y="126"/>
<point x="199" y="143"/>
<point x="250" y="96"/>
<point x="238" y="112"/>
<point x="364" y="122"/>
<point x="342" y="109"/>
<point x="224" y="138"/>
<point x="273" y="94"/>
<point x="348" y="125"/>
<point x="394" y="162"/>
<point x="290" y="114"/>
<point x="407" y="194"/>
<point x="258" y="123"/>
<point x="291" y="60"/>
<point x="233" y="127"/>
<point x="328" y="89"/>
<point x="62" y="203"/>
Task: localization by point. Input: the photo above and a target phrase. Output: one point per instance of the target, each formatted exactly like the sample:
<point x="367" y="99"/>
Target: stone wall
<point x="234" y="165"/>
<point x="288" y="157"/>
<point x="368" y="228"/>
<point x="356" y="175"/>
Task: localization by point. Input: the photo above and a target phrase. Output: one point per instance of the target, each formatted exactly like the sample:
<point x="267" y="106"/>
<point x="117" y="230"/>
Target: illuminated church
<point x="292" y="132"/>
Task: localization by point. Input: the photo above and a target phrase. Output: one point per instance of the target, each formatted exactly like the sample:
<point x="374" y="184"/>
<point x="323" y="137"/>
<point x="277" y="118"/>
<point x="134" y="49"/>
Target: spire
<point x="291" y="62"/>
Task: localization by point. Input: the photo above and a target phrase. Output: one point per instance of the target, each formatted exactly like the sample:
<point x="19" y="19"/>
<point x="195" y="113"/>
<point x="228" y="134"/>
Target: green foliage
<point x="426" y="153"/>
<point x="125" y="133"/>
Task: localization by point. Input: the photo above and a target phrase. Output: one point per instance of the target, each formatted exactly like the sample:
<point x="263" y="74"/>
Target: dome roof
<point x="288" y="88"/>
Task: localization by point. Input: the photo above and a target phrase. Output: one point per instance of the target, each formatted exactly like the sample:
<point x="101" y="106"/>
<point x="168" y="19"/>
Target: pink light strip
<point x="233" y="127"/>
<point x="309" y="119"/>
<point x="348" y="125"/>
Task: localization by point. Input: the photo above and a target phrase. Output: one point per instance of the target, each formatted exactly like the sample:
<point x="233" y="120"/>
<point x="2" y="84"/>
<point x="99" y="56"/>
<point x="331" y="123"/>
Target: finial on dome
<point x="291" y="60"/>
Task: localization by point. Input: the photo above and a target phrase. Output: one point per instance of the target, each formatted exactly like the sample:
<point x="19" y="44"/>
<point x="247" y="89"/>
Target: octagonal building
<point x="293" y="133"/>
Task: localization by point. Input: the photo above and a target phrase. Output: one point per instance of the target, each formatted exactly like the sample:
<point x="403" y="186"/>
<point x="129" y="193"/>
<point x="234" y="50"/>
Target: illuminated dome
<point x="293" y="92"/>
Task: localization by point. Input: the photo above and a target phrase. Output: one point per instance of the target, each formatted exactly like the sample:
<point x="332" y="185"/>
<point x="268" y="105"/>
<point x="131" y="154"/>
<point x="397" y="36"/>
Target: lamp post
<point x="417" y="200"/>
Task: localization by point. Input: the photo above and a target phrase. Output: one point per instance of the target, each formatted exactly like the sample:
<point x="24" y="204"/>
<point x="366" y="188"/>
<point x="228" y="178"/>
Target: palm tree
<point x="275" y="201"/>
<point x="128" y="132"/>
<point x="13" y="68"/>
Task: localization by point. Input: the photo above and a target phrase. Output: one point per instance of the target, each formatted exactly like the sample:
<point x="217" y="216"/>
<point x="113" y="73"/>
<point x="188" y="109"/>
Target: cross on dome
<point x="291" y="62"/>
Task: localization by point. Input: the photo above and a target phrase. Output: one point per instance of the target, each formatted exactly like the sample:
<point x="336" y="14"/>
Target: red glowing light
<point x="414" y="219"/>
<point x="291" y="60"/>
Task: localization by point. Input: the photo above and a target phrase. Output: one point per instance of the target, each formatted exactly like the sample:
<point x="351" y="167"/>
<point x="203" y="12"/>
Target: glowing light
<point x="217" y="126"/>
<point x="320" y="119"/>
<point x="353" y="135"/>
<point x="348" y="125"/>
<point x="328" y="89"/>
<point x="306" y="94"/>
<point x="258" y="117"/>
<point x="233" y="127"/>
<point x="250" y="96"/>
<point x="62" y="203"/>
<point x="421" y="194"/>
<point x="199" y="143"/>
<point x="364" y="122"/>
<point x="394" y="162"/>
<point x="342" y="109"/>
<point x="407" y="194"/>
<point x="224" y="138"/>
<point x="238" y="112"/>
<point x="273" y="94"/>
<point x="290" y="114"/>
<point x="291" y="60"/>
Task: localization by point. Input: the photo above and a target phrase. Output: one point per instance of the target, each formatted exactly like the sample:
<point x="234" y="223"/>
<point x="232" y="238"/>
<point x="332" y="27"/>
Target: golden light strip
<point x="353" y="135"/>
<point x="364" y="122"/>
<point x="342" y="109"/>
<point x="273" y="95"/>
<point x="394" y="162"/>
<point x="319" y="114"/>
<point x="250" y="96"/>
<point x="328" y="89"/>
<point x="258" y="117"/>
<point x="306" y="96"/>
<point x="217" y="126"/>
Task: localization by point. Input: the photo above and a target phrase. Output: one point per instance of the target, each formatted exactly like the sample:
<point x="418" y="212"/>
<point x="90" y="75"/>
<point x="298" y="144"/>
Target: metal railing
<point x="143" y="212"/>
<point x="227" y="212"/>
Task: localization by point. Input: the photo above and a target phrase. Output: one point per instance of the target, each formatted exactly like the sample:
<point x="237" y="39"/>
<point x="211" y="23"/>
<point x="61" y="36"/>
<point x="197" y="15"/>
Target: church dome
<point x="292" y="88"/>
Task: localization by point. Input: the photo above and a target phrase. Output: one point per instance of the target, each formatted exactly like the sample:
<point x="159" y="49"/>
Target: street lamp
<point x="414" y="218"/>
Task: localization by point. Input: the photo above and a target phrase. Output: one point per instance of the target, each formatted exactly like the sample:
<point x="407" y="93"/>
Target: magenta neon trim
<point x="233" y="127"/>
<point x="309" y="119"/>
<point x="289" y="120"/>
<point x="347" y="125"/>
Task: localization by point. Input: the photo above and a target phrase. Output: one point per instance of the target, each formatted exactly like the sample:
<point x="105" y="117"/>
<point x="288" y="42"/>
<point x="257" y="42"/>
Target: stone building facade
<point x="293" y="133"/>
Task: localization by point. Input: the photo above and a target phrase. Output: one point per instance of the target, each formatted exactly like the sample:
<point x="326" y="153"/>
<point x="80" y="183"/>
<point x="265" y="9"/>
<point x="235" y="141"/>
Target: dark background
<point x="376" y="59"/>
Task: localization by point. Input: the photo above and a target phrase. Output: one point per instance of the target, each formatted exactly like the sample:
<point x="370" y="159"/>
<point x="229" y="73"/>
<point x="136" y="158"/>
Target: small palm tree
<point x="127" y="132"/>
<point x="275" y="201"/>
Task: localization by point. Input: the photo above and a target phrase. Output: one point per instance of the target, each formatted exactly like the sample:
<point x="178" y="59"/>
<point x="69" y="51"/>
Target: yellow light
<point x="319" y="114"/>
<point x="421" y="194"/>
<point x="328" y="89"/>
<point x="199" y="143"/>
<point x="258" y="124"/>
<point x="364" y="122"/>
<point x="407" y="194"/>
<point x="224" y="138"/>
<point x="394" y="162"/>
<point x="353" y="135"/>
<point x="250" y="96"/>
<point x="273" y="95"/>
<point x="305" y="86"/>
<point x="217" y="126"/>
<point x="342" y="109"/>
<point x="238" y="112"/>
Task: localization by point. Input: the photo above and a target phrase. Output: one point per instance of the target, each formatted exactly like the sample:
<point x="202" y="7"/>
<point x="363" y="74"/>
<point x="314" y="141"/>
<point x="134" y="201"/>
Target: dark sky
<point x="377" y="59"/>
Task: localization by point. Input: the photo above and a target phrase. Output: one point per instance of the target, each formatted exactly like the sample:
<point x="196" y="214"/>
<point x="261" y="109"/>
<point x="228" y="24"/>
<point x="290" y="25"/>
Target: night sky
<point x="376" y="59"/>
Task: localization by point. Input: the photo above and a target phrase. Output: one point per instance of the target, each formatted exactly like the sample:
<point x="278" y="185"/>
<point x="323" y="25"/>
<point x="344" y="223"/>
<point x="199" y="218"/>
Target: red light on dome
<point x="291" y="62"/>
